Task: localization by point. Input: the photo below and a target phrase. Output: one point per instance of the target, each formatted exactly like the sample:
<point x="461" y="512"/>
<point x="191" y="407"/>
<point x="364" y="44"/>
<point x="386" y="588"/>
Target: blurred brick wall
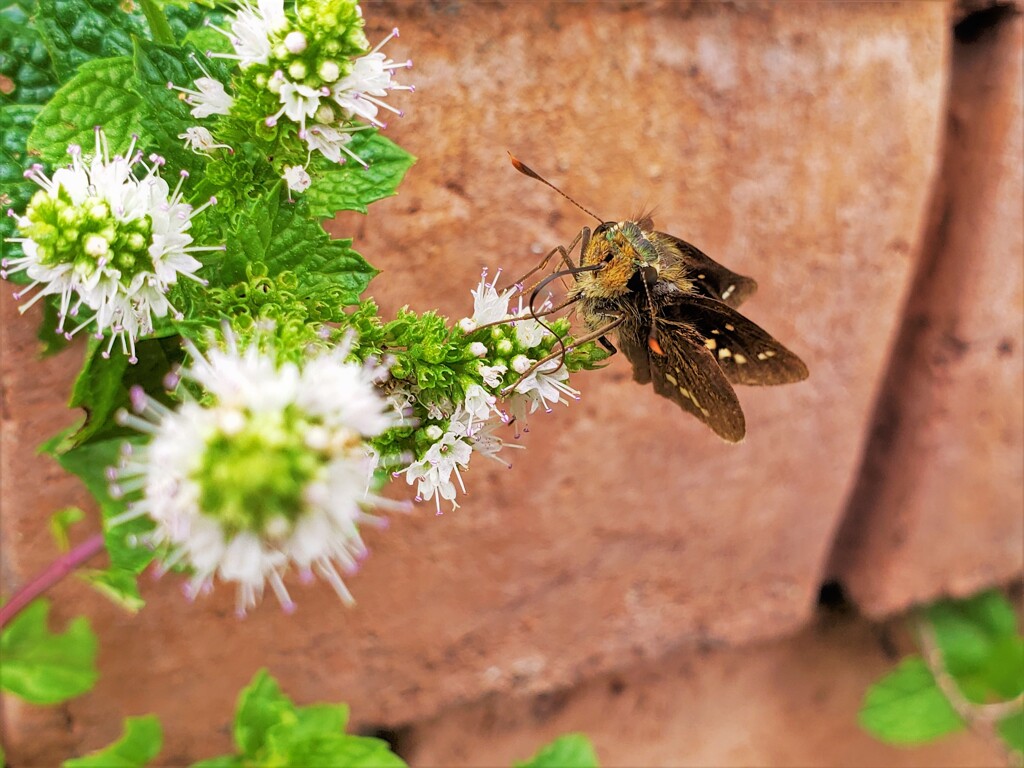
<point x="806" y="144"/>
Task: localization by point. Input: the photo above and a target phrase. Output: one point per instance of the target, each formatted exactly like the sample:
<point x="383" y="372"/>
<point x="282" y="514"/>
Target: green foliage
<point x="104" y="385"/>
<point x="981" y="651"/>
<point x="270" y="730"/>
<point x="100" y="94"/>
<point x="980" y="646"/>
<point x="15" y="190"/>
<point x="350" y="187"/>
<point x="907" y="707"/>
<point x="24" y="60"/>
<point x="78" y="31"/>
<point x="162" y="115"/>
<point x="573" y="750"/>
<point x="61" y="522"/>
<point x="141" y="742"/>
<point x="42" y="667"/>
<point x="127" y="560"/>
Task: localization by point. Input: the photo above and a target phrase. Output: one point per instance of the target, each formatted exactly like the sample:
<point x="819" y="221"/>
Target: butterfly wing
<point x="746" y="353"/>
<point x="710" y="278"/>
<point x="685" y="372"/>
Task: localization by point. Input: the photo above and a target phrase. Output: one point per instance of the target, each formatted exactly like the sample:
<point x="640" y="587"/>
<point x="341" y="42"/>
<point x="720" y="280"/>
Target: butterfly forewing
<point x="712" y="279"/>
<point x="746" y="353"/>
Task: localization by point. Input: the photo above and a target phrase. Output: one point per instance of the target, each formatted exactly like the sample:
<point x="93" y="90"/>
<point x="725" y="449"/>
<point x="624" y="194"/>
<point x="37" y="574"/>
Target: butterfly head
<point x="628" y="255"/>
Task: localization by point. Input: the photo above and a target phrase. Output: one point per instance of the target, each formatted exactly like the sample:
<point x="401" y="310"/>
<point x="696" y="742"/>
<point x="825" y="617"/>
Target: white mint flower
<point x="296" y="177"/>
<point x="270" y="472"/>
<point x="361" y="91"/>
<point x="107" y="242"/>
<point x="489" y="306"/>
<point x="252" y="31"/>
<point x="543" y="387"/>
<point x="200" y="140"/>
<point x="470" y="430"/>
<point x="330" y="142"/>
<point x="209" y="99"/>
<point x="300" y="102"/>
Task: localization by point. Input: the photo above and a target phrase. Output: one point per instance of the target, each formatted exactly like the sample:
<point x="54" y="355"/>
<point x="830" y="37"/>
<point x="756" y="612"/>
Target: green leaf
<point x="15" y="190"/>
<point x="90" y="462"/>
<point x="79" y="31"/>
<point x="286" y="746"/>
<point x="163" y="115"/>
<point x="1012" y="730"/>
<point x="573" y="750"/>
<point x="980" y="645"/>
<point x="104" y="385"/>
<point x="24" y="60"/>
<point x="350" y="187"/>
<point x="906" y="706"/>
<point x="283" y="237"/>
<point x="100" y="94"/>
<point x="142" y="741"/>
<point x="61" y="522"/>
<point x="261" y="706"/>
<point x="42" y="667"/>
<point x="120" y="586"/>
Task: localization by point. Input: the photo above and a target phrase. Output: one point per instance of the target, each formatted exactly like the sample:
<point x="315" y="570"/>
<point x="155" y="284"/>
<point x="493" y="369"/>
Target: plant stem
<point x="53" y="573"/>
<point x="158" y="25"/>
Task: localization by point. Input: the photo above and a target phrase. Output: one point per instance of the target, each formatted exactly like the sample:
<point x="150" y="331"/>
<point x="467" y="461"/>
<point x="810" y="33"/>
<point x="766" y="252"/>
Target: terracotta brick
<point x="795" y="142"/>
<point x="787" y="702"/>
<point x="940" y="506"/>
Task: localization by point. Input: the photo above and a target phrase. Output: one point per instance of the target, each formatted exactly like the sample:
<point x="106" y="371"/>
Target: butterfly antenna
<point x="528" y="171"/>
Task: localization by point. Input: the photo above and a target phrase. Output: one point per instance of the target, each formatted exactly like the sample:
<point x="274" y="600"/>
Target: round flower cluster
<point x="313" y="66"/>
<point x="107" y="241"/>
<point x="270" y="469"/>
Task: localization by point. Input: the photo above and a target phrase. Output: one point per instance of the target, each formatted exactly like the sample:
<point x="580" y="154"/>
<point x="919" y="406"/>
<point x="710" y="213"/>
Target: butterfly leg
<point x="561" y="250"/>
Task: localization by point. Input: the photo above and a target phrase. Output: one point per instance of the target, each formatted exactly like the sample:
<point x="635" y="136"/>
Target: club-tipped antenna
<point x="528" y="171"/>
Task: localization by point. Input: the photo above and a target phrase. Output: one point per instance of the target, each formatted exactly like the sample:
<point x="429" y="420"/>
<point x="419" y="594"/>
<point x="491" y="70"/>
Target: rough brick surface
<point x="940" y="505"/>
<point x="785" y="703"/>
<point x="795" y="142"/>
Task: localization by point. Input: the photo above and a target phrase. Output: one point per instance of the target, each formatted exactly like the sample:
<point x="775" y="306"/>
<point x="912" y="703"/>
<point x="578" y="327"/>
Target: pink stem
<point x="54" y="572"/>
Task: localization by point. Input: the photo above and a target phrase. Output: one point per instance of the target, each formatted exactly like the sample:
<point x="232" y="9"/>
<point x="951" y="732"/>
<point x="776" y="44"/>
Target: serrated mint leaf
<point x="26" y="75"/>
<point x="573" y="750"/>
<point x="282" y="237"/>
<point x="42" y="667"/>
<point x="907" y="707"/>
<point x="163" y="115"/>
<point x="61" y="522"/>
<point x="142" y="740"/>
<point x="350" y="187"/>
<point x="261" y="706"/>
<point x="80" y="31"/>
<point x="15" y="190"/>
<point x="117" y="585"/>
<point x="89" y="462"/>
<point x="100" y="94"/>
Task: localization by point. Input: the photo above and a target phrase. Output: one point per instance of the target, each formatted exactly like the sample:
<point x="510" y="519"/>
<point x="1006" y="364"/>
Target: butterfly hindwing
<point x="685" y="372"/>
